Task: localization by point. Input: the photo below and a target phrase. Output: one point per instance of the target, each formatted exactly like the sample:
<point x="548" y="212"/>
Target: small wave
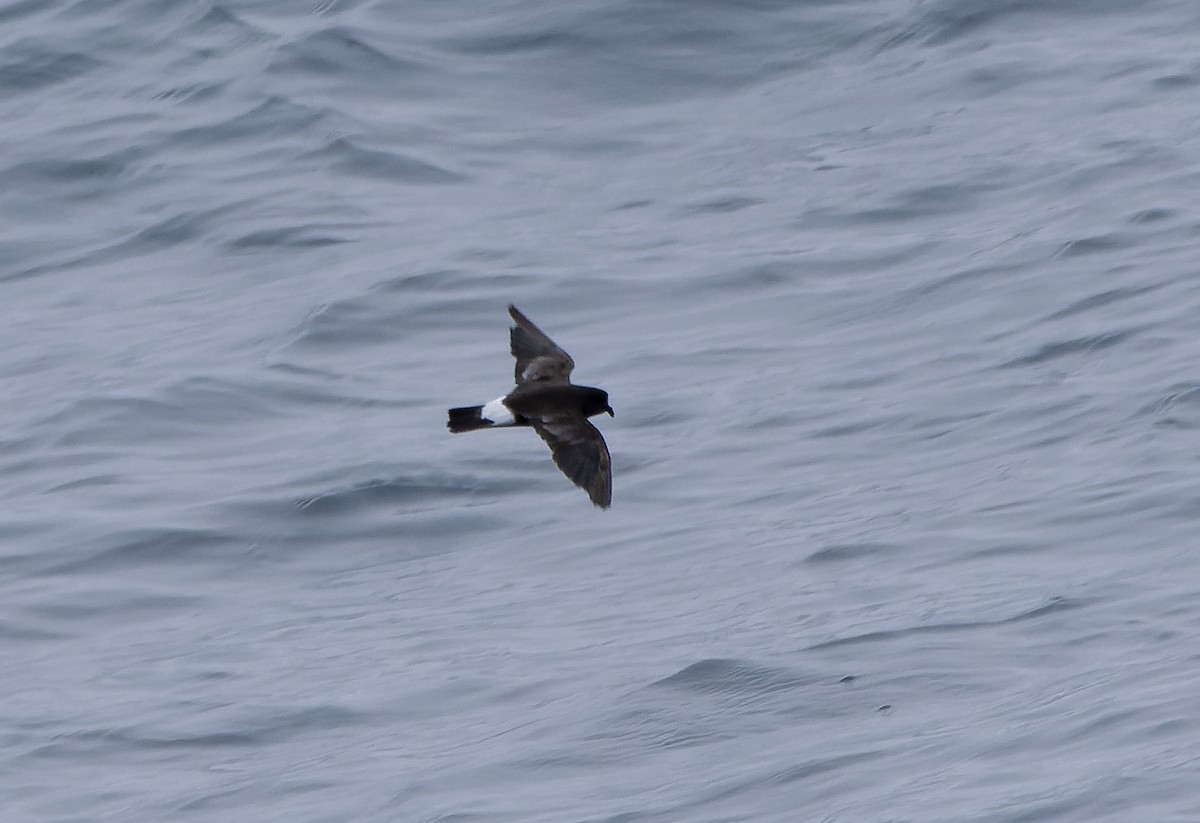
<point x="1056" y="605"/>
<point x="30" y="65"/>
<point x="1177" y="407"/>
<point x="337" y="51"/>
<point x="344" y="155"/>
<point x="1068" y="348"/>
<point x="140" y="547"/>
<point x="843" y="552"/>
<point x="397" y="490"/>
<point x="945" y="21"/>
<point x="725" y="675"/>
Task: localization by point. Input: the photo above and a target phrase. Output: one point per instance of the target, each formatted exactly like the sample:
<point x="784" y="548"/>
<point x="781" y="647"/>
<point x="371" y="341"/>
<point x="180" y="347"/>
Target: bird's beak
<point x="611" y="413"/>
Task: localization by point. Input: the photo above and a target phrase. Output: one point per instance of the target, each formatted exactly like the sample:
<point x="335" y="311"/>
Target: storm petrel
<point x="557" y="410"/>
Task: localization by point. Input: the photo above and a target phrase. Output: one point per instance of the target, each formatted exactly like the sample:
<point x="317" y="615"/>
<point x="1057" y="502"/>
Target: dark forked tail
<point x="467" y="419"/>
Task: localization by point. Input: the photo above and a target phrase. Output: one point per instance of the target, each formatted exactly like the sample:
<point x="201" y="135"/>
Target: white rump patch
<point x="497" y="413"/>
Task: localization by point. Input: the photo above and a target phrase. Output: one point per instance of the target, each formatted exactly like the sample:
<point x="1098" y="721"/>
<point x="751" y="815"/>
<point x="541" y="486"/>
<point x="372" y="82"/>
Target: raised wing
<point x="539" y="359"/>
<point x="580" y="452"/>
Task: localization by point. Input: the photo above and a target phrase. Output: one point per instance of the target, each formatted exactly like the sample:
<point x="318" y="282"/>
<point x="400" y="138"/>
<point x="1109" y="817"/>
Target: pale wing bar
<point x="539" y="359"/>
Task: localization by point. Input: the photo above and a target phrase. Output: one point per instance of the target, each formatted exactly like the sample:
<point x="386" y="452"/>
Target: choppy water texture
<point x="897" y="303"/>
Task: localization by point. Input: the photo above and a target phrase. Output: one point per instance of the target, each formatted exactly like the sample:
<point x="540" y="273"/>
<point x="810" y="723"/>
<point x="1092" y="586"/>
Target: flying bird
<point x="546" y="399"/>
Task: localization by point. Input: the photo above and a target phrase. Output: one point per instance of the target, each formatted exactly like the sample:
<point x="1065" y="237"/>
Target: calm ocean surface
<point x="898" y="304"/>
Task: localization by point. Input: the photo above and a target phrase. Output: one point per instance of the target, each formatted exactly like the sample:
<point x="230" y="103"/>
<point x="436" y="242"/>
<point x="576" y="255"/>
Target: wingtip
<point x="516" y="314"/>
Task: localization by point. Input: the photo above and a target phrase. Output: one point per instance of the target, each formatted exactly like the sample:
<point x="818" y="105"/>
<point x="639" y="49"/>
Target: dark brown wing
<point x="580" y="452"/>
<point x="539" y="359"/>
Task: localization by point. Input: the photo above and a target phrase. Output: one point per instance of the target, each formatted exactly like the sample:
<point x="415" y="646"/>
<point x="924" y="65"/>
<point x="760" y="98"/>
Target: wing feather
<point x="539" y="359"/>
<point x="580" y="452"/>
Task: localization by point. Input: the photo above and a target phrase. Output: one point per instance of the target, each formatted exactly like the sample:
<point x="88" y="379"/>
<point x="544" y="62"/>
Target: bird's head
<point x="596" y="402"/>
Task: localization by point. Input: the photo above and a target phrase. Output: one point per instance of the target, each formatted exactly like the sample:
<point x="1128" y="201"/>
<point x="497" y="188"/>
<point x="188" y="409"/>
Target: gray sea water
<point x="897" y="303"/>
